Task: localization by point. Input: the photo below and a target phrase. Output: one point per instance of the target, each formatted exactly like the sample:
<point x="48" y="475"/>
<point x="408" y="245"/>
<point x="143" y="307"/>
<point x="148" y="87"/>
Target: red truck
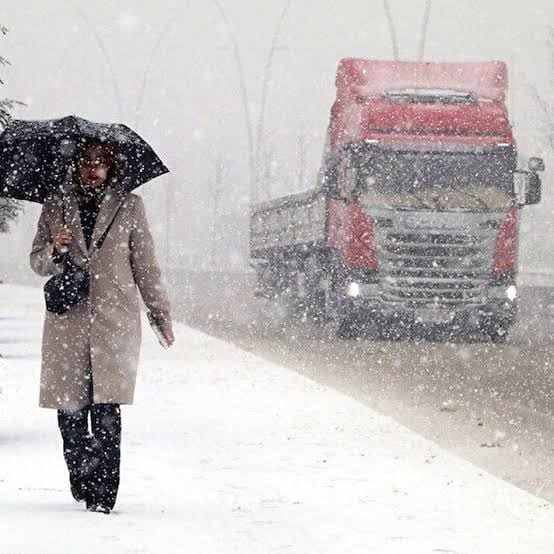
<point x="415" y="216"/>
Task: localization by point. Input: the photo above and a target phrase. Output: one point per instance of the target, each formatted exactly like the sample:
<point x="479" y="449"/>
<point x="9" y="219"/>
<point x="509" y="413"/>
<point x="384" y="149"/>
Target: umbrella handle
<point x="64" y="250"/>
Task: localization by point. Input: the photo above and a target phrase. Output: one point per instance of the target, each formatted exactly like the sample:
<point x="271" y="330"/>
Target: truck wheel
<point x="499" y="335"/>
<point x="316" y="307"/>
<point x="497" y="331"/>
<point x="315" y="295"/>
<point x="348" y="329"/>
<point x="272" y="313"/>
<point x="344" y="328"/>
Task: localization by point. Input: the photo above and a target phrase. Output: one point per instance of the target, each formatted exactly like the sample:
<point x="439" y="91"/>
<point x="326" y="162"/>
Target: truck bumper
<point x="499" y="306"/>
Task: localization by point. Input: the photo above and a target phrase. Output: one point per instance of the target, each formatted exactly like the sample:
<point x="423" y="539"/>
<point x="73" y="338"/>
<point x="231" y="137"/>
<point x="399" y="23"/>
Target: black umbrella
<point x="35" y="156"/>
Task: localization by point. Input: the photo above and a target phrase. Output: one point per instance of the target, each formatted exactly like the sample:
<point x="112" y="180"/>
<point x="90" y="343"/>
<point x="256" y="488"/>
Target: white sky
<point x="92" y="58"/>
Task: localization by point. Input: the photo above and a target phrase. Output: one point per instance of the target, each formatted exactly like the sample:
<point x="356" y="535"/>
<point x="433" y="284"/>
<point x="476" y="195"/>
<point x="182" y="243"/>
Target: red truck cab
<point x="421" y="197"/>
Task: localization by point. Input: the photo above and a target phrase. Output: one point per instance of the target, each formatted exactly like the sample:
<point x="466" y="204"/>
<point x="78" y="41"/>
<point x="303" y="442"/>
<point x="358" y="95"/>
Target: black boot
<point x="103" y="480"/>
<point x="98" y="508"/>
<point x="76" y="447"/>
<point x="78" y="489"/>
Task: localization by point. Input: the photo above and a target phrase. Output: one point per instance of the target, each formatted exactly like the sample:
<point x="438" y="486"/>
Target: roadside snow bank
<point x="224" y="452"/>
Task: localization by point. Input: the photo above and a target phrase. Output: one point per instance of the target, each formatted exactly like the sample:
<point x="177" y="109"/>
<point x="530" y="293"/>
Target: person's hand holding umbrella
<point x="61" y="239"/>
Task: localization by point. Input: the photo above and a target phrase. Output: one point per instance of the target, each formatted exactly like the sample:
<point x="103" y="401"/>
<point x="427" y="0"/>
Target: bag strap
<point x="64" y="256"/>
<point x="98" y="244"/>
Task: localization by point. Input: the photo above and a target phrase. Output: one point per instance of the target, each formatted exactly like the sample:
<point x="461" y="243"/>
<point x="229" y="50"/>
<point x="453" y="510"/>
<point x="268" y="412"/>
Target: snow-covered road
<point x="225" y="452"/>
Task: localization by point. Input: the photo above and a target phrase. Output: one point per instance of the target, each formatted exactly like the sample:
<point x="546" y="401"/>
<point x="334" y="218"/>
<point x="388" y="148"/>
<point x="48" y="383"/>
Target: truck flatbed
<point x="288" y="221"/>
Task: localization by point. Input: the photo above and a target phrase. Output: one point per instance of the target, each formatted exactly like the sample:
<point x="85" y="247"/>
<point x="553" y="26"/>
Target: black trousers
<point x="93" y="458"/>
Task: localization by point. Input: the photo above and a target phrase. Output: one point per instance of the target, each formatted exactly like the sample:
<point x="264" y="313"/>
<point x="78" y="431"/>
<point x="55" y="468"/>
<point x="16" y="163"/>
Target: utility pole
<point x="256" y="143"/>
<point x="511" y="89"/>
<point x="424" y="27"/>
<point x="244" y="95"/>
<point x="260" y="137"/>
<point x="392" y="30"/>
<point x="216" y="195"/>
<point x="301" y="159"/>
<point x="149" y="66"/>
<point x="168" y="212"/>
<point x="169" y="192"/>
<point x="89" y="24"/>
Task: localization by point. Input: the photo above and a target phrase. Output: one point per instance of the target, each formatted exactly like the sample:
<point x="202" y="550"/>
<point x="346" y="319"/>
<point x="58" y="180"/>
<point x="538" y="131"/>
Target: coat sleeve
<point x="146" y="271"/>
<point x="42" y="259"/>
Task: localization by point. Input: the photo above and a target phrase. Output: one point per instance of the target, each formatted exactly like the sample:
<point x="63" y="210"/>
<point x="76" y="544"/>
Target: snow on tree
<point x="9" y="209"/>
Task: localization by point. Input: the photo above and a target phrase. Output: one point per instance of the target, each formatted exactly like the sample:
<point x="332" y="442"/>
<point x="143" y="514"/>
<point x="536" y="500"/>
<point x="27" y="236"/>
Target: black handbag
<point x="67" y="289"/>
<point x="72" y="286"/>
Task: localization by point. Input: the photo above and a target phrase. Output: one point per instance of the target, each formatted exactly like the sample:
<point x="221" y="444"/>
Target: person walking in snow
<point x="90" y="353"/>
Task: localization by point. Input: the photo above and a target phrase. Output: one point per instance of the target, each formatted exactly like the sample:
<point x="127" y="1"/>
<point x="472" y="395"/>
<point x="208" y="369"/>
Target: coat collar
<point x="108" y="208"/>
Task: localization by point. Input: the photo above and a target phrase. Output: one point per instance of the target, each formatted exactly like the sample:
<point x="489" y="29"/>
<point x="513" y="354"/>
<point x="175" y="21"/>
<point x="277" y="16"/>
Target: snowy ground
<point x="225" y="452"/>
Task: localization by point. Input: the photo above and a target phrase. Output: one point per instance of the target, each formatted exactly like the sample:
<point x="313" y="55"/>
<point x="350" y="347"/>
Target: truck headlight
<point x="353" y="289"/>
<point x="511" y="293"/>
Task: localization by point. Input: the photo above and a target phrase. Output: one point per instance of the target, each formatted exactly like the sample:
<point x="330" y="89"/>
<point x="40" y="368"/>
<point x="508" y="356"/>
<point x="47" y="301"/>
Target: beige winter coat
<point x="100" y="338"/>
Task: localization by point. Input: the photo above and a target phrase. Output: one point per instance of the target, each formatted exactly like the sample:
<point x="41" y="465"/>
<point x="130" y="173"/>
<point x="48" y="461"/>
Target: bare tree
<point x="6" y="105"/>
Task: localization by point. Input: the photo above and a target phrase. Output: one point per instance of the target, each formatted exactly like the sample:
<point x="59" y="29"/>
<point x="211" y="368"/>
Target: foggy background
<point x="183" y="72"/>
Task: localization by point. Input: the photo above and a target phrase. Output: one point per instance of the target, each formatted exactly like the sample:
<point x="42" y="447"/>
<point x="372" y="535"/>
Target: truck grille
<point x="432" y="267"/>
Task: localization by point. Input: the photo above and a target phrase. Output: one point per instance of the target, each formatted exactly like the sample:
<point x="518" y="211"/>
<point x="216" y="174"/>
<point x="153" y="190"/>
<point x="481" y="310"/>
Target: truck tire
<point x="499" y="335"/>
<point x="497" y="331"/>
<point x="338" y="324"/>
<point x="272" y="313"/>
<point x="343" y="328"/>
<point x="349" y="329"/>
<point x="314" y="296"/>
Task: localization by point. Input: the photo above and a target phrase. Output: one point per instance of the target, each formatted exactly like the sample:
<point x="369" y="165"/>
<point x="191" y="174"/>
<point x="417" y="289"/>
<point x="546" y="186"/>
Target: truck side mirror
<point x="527" y="188"/>
<point x="534" y="189"/>
<point x="536" y="164"/>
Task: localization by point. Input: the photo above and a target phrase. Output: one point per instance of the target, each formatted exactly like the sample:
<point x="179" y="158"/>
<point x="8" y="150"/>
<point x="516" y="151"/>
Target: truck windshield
<point x="435" y="180"/>
<point x="429" y="96"/>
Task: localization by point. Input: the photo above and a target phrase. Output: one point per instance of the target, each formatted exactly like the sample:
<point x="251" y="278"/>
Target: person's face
<point x="94" y="166"/>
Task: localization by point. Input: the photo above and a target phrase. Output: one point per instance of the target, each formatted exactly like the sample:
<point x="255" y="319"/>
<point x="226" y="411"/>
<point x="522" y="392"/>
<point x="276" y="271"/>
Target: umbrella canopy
<point x="35" y="156"/>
